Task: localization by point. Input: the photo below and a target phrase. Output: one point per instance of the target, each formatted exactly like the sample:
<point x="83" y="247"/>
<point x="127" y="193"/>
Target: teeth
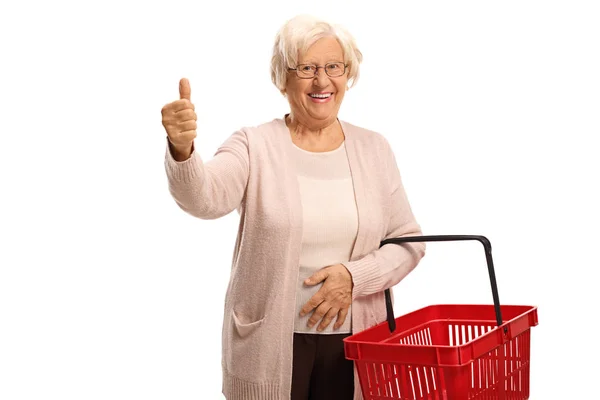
<point x="320" y="96"/>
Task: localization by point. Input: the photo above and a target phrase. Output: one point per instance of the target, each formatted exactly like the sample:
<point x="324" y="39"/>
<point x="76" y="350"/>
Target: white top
<point x="330" y="223"/>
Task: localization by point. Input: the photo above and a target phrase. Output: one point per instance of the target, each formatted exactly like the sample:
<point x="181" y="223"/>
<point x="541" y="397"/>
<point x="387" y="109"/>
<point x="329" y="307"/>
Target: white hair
<point x="301" y="32"/>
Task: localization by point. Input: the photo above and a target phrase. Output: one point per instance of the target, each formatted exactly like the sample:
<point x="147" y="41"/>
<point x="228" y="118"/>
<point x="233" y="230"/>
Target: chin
<point x="324" y="116"/>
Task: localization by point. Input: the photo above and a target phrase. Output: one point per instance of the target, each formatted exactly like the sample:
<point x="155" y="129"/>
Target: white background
<point x="109" y="291"/>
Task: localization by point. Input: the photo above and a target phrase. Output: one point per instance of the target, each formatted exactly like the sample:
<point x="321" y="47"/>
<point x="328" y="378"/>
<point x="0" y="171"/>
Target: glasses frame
<point x="317" y="70"/>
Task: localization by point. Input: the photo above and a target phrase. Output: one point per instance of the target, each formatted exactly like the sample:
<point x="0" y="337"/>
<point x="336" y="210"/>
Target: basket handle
<point x="487" y="246"/>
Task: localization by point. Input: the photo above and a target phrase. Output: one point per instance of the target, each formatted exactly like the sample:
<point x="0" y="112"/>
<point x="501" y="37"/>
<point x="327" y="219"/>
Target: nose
<point x="321" y="78"/>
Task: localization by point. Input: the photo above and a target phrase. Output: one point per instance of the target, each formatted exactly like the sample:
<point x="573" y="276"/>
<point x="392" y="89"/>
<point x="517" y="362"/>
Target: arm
<point x="212" y="189"/>
<point x="388" y="265"/>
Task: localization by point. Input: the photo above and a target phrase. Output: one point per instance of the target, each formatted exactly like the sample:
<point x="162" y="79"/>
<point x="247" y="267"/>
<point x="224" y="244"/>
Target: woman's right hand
<point x="179" y="120"/>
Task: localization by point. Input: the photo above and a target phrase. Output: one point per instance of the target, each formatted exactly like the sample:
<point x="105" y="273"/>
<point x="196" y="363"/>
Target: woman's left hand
<point x="333" y="298"/>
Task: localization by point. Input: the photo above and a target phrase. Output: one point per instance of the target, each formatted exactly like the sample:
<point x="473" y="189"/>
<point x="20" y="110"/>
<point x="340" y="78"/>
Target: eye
<point x="306" y="68"/>
<point x="334" y="66"/>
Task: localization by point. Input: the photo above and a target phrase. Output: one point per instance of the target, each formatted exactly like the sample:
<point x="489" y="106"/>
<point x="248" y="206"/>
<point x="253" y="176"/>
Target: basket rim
<point x="355" y="338"/>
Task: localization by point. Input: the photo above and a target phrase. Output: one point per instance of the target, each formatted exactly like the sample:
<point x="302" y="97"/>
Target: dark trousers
<point x="320" y="369"/>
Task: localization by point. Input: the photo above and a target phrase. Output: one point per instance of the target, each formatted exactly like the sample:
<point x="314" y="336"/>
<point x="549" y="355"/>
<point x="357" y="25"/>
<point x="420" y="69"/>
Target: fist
<point x="179" y="119"/>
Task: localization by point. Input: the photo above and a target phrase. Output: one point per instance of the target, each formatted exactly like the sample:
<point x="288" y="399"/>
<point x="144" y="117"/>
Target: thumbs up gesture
<point x="179" y="120"/>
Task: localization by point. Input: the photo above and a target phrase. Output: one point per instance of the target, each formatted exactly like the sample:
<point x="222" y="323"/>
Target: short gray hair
<point x="301" y="32"/>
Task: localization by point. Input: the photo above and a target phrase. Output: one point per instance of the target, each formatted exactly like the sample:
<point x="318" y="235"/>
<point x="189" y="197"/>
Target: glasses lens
<point x="305" y="71"/>
<point x="335" y="69"/>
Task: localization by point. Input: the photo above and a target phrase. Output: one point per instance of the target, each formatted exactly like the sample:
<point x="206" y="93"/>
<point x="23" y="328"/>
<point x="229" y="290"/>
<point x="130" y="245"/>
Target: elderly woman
<point x="315" y="195"/>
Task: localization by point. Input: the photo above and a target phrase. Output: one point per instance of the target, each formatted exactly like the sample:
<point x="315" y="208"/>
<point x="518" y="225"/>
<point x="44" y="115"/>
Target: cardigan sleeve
<point x="211" y="189"/>
<point x="388" y="265"/>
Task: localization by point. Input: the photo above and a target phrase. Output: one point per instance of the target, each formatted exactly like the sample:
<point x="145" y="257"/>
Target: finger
<point x="311" y="304"/>
<point x="185" y="91"/>
<point x="186" y="115"/>
<point x="341" y="318"/>
<point x="179" y="105"/>
<point x="317" y="277"/>
<point x="328" y="318"/>
<point x="319" y="313"/>
<point x="184" y="139"/>
<point x="187" y="126"/>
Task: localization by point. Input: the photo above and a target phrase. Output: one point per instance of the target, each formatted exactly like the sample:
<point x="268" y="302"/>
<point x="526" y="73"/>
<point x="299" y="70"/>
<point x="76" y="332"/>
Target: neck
<point x="320" y="130"/>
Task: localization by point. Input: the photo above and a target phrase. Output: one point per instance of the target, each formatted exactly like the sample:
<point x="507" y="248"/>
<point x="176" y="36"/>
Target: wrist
<point x="348" y="275"/>
<point x="179" y="152"/>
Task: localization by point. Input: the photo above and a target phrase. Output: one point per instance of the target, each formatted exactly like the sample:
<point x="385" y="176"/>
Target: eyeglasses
<point x="307" y="71"/>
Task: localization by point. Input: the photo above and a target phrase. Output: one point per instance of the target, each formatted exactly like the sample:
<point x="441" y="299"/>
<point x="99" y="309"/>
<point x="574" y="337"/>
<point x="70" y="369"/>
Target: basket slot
<point x="463" y="333"/>
<point x="411" y="336"/>
<point x="517" y="365"/>
<point x="440" y="332"/>
<point x="392" y="378"/>
<point x="503" y="372"/>
<point x="421" y="337"/>
<point x="398" y="381"/>
<point x="484" y="377"/>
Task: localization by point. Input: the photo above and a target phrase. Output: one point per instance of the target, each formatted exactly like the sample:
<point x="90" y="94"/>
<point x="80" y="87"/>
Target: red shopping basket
<point x="449" y="351"/>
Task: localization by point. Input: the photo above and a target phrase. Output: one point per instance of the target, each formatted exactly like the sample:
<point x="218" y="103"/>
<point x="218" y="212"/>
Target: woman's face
<point x="315" y="102"/>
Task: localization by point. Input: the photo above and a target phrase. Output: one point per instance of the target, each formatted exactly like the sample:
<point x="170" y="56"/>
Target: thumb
<point x="317" y="277"/>
<point x="185" y="91"/>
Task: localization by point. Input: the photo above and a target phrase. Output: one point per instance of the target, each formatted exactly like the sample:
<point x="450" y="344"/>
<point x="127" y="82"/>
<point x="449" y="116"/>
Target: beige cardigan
<point x="251" y="172"/>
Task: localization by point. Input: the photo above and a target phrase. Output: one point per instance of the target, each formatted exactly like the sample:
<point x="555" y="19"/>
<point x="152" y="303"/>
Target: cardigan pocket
<point x="245" y="328"/>
<point x="251" y="351"/>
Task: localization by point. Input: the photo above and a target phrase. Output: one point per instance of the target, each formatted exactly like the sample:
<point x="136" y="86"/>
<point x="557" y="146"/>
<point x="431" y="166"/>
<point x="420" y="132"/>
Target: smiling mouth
<point x="320" y="95"/>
